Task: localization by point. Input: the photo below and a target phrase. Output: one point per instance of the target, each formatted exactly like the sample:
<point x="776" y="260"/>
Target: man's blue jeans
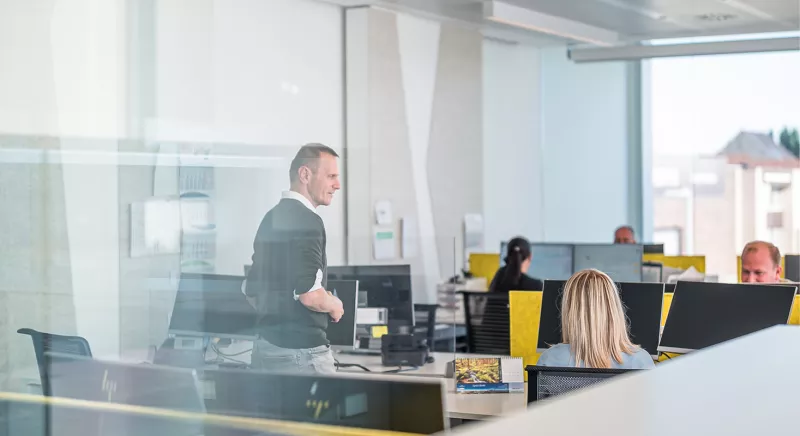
<point x="269" y="357"/>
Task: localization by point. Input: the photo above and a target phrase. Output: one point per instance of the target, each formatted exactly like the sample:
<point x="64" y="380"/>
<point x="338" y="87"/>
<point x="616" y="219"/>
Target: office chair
<point x="44" y="343"/>
<point x="487" y="318"/>
<point x="550" y="381"/>
<point x="425" y="321"/>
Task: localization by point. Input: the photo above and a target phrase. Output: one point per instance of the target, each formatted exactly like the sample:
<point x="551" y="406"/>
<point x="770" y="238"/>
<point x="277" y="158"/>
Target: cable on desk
<point x="666" y="355"/>
<point x="224" y="356"/>
<point x="401" y="369"/>
<point x="233" y="354"/>
<point x="349" y="365"/>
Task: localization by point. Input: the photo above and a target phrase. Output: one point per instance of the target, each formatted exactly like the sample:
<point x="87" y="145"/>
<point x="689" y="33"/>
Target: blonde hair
<point x="593" y="320"/>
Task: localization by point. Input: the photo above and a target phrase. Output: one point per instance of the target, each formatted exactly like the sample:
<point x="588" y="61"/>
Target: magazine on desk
<point x="489" y="375"/>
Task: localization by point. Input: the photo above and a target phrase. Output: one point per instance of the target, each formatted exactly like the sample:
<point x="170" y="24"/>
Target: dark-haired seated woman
<point x="512" y="276"/>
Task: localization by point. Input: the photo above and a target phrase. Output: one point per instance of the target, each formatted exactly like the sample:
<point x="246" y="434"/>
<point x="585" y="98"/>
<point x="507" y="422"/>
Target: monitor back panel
<point x="131" y="384"/>
<point x="653" y="248"/>
<point x="792" y="267"/>
<point x="344" y="332"/>
<point x="387" y="286"/>
<point x="643" y="303"/>
<point x="622" y="262"/>
<point x="212" y="305"/>
<point x="373" y="403"/>
<point x="551" y="261"/>
<point x="124" y="383"/>
<point x="705" y="314"/>
<point x="550" y="318"/>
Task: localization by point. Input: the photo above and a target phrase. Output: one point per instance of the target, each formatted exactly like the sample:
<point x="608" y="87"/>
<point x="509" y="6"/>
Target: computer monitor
<point x="643" y="303"/>
<point x="141" y="385"/>
<point x="212" y="305"/>
<point x="669" y="288"/>
<point x="653" y="248"/>
<point x="705" y="314"/>
<point x="374" y="402"/>
<point x="792" y="267"/>
<point x="343" y="333"/>
<point x="550" y="318"/>
<point x="146" y="385"/>
<point x="387" y="286"/>
<point x="652" y="272"/>
<point x="622" y="262"/>
<point x="551" y="261"/>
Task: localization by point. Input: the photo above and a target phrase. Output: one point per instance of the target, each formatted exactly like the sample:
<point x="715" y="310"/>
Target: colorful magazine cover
<point x="483" y="375"/>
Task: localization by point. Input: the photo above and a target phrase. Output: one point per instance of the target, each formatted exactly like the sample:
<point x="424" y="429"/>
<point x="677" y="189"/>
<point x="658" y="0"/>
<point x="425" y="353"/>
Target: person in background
<point x="512" y="276"/>
<point x="761" y="263"/>
<point x="624" y="235"/>
<point x="594" y="328"/>
<point x="289" y="273"/>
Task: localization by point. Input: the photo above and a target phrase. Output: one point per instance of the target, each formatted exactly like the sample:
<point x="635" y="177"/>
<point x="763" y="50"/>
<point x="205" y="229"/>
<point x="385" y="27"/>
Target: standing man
<point x="624" y="235"/>
<point x="761" y="263"/>
<point x="289" y="273"/>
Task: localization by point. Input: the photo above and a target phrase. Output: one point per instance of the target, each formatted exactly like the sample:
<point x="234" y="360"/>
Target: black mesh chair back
<point x="425" y="322"/>
<point x="487" y="318"/>
<point x="44" y="343"/>
<point x="550" y="381"/>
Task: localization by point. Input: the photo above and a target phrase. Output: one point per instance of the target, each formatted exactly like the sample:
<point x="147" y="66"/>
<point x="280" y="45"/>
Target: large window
<point x="725" y="166"/>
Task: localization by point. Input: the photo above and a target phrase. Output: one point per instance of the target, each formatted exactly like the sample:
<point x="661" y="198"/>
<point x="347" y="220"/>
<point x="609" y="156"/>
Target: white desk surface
<point x="708" y="392"/>
<point x="373" y="363"/>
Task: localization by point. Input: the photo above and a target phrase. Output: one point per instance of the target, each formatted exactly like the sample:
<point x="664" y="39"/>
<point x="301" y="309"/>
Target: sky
<point x="701" y="103"/>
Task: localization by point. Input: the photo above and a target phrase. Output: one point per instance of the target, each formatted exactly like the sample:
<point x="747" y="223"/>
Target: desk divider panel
<point x="794" y="315"/>
<point x="739" y="268"/>
<point x="484" y="265"/>
<point x="664" y="313"/>
<point x="665" y="307"/>
<point x="681" y="262"/>
<point x="525" y="308"/>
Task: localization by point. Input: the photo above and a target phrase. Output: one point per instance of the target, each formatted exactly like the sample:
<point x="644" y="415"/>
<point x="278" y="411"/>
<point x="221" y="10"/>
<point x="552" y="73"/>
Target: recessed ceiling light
<point x="715" y="17"/>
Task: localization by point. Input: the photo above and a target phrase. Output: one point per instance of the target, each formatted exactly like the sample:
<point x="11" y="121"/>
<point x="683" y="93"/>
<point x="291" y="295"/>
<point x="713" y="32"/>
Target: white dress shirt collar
<point x="299" y="197"/>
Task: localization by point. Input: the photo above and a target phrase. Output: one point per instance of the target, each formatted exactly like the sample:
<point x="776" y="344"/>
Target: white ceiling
<point x="651" y="19"/>
<point x="633" y="20"/>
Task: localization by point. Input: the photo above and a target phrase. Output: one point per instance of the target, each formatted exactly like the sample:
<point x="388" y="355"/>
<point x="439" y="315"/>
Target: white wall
<point x="584" y="162"/>
<point x="63" y="75"/>
<point x="61" y="67"/>
<point x="414" y="137"/>
<point x="512" y="177"/>
<point x="265" y="73"/>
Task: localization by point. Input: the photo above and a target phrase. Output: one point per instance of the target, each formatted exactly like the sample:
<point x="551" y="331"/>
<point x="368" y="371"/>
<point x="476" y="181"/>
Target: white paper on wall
<point x="155" y="227"/>
<point x="384" y="241"/>
<point x="383" y="213"/>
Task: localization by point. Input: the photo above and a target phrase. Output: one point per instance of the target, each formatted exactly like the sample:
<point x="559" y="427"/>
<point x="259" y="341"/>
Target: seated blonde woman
<point x="594" y="328"/>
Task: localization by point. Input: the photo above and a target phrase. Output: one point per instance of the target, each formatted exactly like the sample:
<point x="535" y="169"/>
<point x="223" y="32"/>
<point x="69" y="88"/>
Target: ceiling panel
<point x="780" y="9"/>
<point x="648" y="19"/>
<point x="601" y="14"/>
<point x="469" y="12"/>
<point x="633" y="19"/>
